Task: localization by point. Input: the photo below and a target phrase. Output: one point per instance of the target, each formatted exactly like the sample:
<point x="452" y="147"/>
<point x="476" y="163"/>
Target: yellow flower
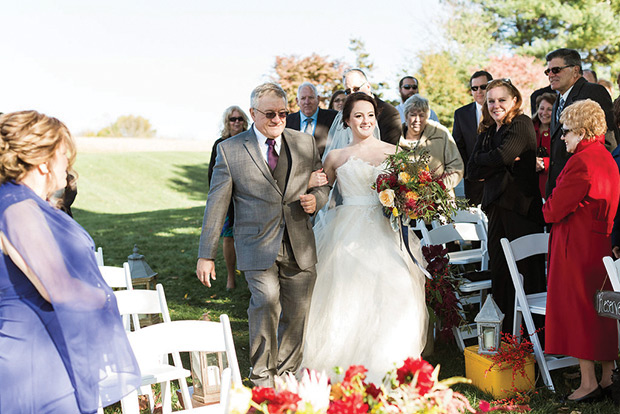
<point x="240" y="398"/>
<point x="426" y="168"/>
<point x="404" y="178"/>
<point x="395" y="212"/>
<point x="386" y="197"/>
<point x="411" y="195"/>
<point x="412" y="215"/>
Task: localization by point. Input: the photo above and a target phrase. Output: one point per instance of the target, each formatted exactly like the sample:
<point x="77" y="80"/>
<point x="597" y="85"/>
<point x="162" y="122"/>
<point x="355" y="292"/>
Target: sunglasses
<point x="556" y="69"/>
<point x="354" y="89"/>
<point x="482" y="87"/>
<point x="407" y="87"/>
<point x="565" y="131"/>
<point x="272" y="114"/>
<point x="235" y="119"/>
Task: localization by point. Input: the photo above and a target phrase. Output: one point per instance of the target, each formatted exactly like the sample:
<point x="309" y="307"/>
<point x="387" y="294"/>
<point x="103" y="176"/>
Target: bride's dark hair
<point x="350" y="102"/>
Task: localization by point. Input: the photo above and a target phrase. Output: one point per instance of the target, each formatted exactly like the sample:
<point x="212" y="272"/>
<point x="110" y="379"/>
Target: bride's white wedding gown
<point x="368" y="304"/>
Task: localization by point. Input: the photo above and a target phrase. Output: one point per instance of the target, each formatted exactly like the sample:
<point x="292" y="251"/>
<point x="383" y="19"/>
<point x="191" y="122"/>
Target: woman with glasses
<point x="337" y="101"/>
<point x="542" y="124"/>
<point x="504" y="159"/>
<point x="234" y="121"/>
<point x="581" y="208"/>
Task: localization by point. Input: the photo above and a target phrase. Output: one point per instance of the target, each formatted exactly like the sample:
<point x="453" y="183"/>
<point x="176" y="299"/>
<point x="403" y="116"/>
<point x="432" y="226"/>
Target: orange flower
<point x="411" y="195"/>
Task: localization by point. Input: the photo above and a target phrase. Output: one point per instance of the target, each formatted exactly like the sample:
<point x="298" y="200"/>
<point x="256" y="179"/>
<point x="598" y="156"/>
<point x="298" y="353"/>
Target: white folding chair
<point x="99" y="256"/>
<point x="181" y="336"/>
<point x="117" y="277"/>
<point x="476" y="290"/>
<point x="613" y="271"/>
<point x="535" y="303"/>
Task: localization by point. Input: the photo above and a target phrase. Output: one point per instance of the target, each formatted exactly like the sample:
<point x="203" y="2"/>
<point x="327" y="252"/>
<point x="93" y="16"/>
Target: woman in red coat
<point x="582" y="209"/>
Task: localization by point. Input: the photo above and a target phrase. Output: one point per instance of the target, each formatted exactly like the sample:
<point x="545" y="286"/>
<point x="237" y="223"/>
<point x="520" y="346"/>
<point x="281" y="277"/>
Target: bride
<point x="368" y="305"/>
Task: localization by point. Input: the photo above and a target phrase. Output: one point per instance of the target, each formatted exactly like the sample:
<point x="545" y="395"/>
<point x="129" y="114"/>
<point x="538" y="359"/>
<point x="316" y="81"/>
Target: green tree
<point x="536" y="27"/>
<point x="128" y="126"/>
<point x="292" y="71"/>
<point x="445" y="84"/>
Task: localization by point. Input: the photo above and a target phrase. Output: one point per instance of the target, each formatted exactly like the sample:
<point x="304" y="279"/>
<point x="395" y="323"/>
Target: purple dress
<point x="67" y="355"/>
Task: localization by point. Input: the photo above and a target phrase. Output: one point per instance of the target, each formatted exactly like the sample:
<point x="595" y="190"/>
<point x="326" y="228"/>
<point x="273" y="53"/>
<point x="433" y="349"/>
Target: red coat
<point x="582" y="208"/>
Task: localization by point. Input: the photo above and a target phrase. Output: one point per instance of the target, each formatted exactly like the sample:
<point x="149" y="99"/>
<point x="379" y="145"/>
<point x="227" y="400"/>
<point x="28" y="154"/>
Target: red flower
<point x="284" y="401"/>
<point x="410" y="368"/>
<point x="425" y="177"/>
<point x="373" y="391"/>
<point x="484" y="406"/>
<point x="350" y="404"/>
<point x="353" y="371"/>
<point x="262" y="394"/>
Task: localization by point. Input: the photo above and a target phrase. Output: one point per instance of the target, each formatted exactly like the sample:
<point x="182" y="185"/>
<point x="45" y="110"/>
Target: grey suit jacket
<point x="262" y="211"/>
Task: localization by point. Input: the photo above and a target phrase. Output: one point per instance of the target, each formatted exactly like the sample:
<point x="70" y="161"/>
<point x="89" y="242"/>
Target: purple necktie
<point x="272" y="155"/>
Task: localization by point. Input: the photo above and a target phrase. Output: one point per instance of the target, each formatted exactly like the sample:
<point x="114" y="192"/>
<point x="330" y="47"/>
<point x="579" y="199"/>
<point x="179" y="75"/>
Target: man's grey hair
<point x="417" y="103"/>
<point x="358" y="70"/>
<point x="265" y="88"/>
<point x="309" y="85"/>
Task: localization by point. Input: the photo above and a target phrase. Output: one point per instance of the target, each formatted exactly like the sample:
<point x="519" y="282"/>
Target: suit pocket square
<point x="246" y="230"/>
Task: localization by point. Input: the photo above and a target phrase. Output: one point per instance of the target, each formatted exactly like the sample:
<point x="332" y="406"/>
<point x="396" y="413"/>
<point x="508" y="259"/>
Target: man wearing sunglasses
<point x="409" y="86"/>
<point x="465" y="130"/>
<point x="310" y="118"/>
<point x="565" y="77"/>
<point x="388" y="118"/>
<point x="265" y="171"/>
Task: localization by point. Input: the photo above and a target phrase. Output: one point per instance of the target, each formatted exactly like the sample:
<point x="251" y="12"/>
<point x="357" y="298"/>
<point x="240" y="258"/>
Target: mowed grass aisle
<point x="156" y="200"/>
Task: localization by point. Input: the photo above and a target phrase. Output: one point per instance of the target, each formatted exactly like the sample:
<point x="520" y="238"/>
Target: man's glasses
<point x="407" y="87"/>
<point x="272" y="114"/>
<point x="482" y="87"/>
<point x="354" y="89"/>
<point x="556" y="69"/>
<point x="236" y="119"/>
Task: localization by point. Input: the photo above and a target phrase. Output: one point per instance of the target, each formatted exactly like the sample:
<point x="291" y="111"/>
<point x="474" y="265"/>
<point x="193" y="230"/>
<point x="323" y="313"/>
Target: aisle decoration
<point x="441" y="299"/>
<point x="412" y="388"/>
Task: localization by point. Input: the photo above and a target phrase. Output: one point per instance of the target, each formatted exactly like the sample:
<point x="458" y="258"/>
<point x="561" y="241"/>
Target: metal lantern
<point x="207" y="370"/>
<point x="142" y="277"/>
<point x="489" y="324"/>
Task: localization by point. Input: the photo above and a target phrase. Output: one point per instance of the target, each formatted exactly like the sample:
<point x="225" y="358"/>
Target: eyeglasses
<point x="565" y="131"/>
<point x="482" y="87"/>
<point x="272" y="114"/>
<point x="354" y="89"/>
<point x="556" y="69"/>
<point x="407" y="87"/>
<point x="235" y="119"/>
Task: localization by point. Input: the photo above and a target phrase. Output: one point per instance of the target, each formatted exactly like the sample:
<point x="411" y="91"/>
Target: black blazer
<point x="582" y="89"/>
<point x="388" y="121"/>
<point x="324" y="121"/>
<point x="465" y="130"/>
<point x="510" y="184"/>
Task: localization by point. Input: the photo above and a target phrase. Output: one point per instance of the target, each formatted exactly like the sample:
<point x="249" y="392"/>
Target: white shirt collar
<point x="565" y="94"/>
<point x="262" y="142"/>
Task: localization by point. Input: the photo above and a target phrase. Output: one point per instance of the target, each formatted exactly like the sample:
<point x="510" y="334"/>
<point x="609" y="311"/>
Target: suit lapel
<point x="294" y="151"/>
<point x="570" y="99"/>
<point x="251" y="145"/>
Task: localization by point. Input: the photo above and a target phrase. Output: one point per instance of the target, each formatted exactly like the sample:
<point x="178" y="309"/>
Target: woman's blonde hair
<point x="587" y="116"/>
<point x="28" y="139"/>
<point x="226" y="130"/>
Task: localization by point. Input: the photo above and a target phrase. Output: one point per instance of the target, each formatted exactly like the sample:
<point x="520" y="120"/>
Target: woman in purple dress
<point x="63" y="348"/>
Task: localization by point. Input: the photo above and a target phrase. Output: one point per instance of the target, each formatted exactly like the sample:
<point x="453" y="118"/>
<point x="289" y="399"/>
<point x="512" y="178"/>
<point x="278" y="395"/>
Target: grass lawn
<point x="156" y="200"/>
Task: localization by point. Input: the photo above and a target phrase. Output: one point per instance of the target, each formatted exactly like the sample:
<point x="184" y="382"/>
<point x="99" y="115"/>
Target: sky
<point x="181" y="63"/>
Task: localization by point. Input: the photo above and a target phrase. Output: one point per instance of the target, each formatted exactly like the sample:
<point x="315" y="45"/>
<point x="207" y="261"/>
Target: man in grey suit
<point x="310" y="118"/>
<point x="265" y="171"/>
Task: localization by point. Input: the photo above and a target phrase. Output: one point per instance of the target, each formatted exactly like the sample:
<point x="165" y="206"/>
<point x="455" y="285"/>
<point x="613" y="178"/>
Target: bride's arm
<point x="332" y="162"/>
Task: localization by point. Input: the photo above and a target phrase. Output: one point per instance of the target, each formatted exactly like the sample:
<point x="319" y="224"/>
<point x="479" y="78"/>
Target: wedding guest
<point x="234" y="121"/>
<point x="407" y="87"/>
<point x="582" y="208"/>
<point x="337" y="101"/>
<point x="63" y="348"/>
<point x="542" y="123"/>
<point x="607" y="85"/>
<point x="421" y="132"/>
<point x="590" y="75"/>
<point x="505" y="160"/>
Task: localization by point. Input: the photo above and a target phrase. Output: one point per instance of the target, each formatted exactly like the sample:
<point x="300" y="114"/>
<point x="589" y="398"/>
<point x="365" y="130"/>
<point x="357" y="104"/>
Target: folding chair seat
<point x="536" y="303"/>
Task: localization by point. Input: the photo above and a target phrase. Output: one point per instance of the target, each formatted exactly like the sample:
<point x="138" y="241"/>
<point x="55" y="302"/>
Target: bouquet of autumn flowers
<point x="412" y="388"/>
<point x="408" y="190"/>
<point x="441" y="300"/>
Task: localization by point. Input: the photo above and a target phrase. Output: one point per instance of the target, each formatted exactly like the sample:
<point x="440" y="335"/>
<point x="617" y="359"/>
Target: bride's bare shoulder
<point x="336" y="158"/>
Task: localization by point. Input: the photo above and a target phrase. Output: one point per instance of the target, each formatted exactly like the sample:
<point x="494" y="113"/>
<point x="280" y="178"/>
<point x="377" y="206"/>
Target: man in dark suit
<point x="564" y="72"/>
<point x="388" y="118"/>
<point x="465" y="131"/>
<point x="310" y="118"/>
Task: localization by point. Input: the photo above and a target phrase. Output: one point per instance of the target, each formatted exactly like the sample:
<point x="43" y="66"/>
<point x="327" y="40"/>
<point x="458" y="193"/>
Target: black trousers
<point x="508" y="224"/>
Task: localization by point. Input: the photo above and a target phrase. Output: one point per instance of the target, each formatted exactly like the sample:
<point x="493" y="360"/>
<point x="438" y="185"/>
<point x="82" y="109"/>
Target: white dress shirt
<point x="262" y="143"/>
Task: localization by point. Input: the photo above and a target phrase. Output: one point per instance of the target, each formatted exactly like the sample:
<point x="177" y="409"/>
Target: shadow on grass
<point x="192" y="181"/>
<point x="169" y="241"/>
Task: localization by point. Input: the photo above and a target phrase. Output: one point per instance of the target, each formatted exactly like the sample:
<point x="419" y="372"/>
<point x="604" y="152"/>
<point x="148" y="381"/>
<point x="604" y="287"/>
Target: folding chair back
<point x="117" y="277"/>
<point x="613" y="271"/>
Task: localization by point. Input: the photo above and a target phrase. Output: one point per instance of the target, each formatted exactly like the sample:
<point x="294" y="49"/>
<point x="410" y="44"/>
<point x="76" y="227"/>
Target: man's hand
<point x="308" y="203"/>
<point x="616" y="251"/>
<point x="205" y="268"/>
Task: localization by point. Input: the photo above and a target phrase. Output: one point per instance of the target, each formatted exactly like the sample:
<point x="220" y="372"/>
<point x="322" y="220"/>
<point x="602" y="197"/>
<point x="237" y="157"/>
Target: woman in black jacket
<point x="504" y="158"/>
